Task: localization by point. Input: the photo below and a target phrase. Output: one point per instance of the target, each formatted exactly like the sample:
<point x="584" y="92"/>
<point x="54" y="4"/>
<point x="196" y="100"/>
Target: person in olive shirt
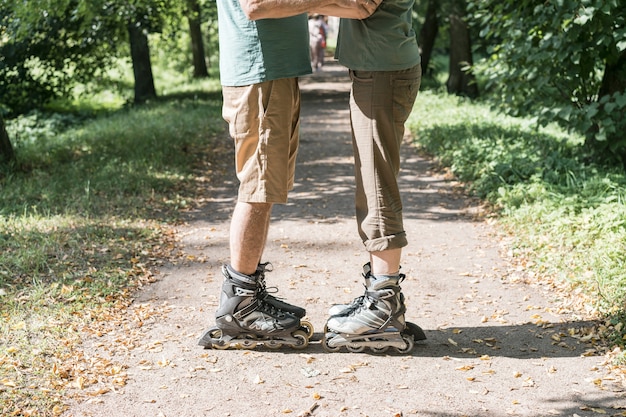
<point x="382" y="56"/>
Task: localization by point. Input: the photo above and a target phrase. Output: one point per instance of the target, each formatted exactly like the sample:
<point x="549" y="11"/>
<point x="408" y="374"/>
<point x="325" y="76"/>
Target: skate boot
<point x="374" y="320"/>
<point x="244" y="319"/>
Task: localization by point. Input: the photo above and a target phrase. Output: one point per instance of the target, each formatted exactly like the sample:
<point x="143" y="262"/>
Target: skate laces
<point x="263" y="290"/>
<point x="369" y="301"/>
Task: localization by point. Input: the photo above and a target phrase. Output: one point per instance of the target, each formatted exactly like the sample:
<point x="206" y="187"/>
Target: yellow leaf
<point x="8" y="383"/>
<point x="453" y="342"/>
<point x="287" y="411"/>
<point x="19" y="326"/>
<point x="465" y="368"/>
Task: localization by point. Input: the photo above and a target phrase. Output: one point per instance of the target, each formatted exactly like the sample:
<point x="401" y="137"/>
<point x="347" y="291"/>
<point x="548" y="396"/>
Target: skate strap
<point x="246" y="310"/>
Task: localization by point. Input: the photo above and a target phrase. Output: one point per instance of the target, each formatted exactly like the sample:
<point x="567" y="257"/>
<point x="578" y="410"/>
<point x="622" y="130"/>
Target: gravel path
<point x="496" y="346"/>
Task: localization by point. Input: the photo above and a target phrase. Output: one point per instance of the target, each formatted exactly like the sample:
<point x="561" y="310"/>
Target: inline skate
<point x="374" y="320"/>
<point x="244" y="319"/>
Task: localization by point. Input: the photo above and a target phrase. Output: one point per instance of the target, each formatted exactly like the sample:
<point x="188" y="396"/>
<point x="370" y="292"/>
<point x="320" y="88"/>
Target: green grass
<point x="84" y="219"/>
<point x="567" y="217"/>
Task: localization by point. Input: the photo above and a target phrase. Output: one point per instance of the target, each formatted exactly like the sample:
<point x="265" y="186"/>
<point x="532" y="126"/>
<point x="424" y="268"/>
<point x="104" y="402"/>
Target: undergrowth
<point x="567" y="216"/>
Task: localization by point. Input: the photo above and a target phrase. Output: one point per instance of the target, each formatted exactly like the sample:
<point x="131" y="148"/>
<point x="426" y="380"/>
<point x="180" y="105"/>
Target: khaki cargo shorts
<point x="264" y="122"/>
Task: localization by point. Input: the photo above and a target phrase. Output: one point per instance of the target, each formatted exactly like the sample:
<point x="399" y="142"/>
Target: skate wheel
<point x="247" y="344"/>
<point x="382" y="349"/>
<point x="220" y="345"/>
<point x="273" y="344"/>
<point x="303" y="340"/>
<point x="215" y="335"/>
<point x="408" y="339"/>
<point x="355" y="348"/>
<point x="307" y="327"/>
<point x="329" y="348"/>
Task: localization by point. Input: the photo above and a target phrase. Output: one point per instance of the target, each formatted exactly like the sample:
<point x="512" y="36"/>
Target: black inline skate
<point x="374" y="320"/>
<point x="245" y="318"/>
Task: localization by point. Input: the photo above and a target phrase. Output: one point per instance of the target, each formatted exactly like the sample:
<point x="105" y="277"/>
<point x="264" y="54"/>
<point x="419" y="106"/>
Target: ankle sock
<point x="236" y="274"/>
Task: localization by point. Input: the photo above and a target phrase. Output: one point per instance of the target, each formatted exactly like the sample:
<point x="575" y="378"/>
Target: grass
<point x="84" y="221"/>
<point x="567" y="217"/>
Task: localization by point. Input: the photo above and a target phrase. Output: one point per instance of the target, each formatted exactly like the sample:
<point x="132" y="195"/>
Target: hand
<point x="361" y="9"/>
<point x="368" y="7"/>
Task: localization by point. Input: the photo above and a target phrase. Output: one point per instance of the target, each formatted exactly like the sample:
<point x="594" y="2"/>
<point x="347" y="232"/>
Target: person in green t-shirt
<point x="264" y="48"/>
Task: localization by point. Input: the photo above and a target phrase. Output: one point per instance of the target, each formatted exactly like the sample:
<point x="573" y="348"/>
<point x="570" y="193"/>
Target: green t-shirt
<point x="385" y="41"/>
<point x="261" y="50"/>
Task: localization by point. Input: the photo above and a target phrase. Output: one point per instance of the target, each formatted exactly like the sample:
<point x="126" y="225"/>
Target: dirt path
<point x="495" y="347"/>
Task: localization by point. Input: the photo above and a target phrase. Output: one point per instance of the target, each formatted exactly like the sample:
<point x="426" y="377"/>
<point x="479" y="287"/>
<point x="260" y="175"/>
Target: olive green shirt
<point x="385" y="41"/>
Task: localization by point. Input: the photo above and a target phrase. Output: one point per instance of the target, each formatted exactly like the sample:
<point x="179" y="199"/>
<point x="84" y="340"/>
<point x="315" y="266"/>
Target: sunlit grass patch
<point x="85" y="219"/>
<point x="567" y="217"/>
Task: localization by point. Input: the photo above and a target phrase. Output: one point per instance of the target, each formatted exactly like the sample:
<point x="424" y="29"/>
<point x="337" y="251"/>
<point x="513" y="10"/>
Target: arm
<point x="363" y="12"/>
<point x="273" y="9"/>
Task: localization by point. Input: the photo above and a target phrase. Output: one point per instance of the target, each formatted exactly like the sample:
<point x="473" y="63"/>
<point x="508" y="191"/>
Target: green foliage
<point x="567" y="216"/>
<point x="50" y="47"/>
<point x="548" y="60"/>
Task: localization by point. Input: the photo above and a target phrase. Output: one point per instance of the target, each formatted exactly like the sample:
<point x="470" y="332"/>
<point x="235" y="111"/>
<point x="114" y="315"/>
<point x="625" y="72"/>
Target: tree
<point x="460" y="80"/>
<point x="49" y="46"/>
<point x="428" y="34"/>
<point x="6" y="150"/>
<point x="561" y="62"/>
<point x="197" y="45"/>
<point x="142" y="66"/>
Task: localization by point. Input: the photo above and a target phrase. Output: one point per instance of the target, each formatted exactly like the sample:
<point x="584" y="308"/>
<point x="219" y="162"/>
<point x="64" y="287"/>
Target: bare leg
<point x="248" y="233"/>
<point x="386" y="262"/>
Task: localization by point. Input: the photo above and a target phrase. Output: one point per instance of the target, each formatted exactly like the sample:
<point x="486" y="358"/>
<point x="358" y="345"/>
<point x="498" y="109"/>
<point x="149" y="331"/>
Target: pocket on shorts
<point x="237" y="111"/>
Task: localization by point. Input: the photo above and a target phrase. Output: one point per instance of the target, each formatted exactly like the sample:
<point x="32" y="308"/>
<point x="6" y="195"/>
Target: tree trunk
<point x="197" y="45"/>
<point x="6" y="149"/>
<point x="428" y="34"/>
<point x="614" y="78"/>
<point x="460" y="81"/>
<point x="142" y="67"/>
